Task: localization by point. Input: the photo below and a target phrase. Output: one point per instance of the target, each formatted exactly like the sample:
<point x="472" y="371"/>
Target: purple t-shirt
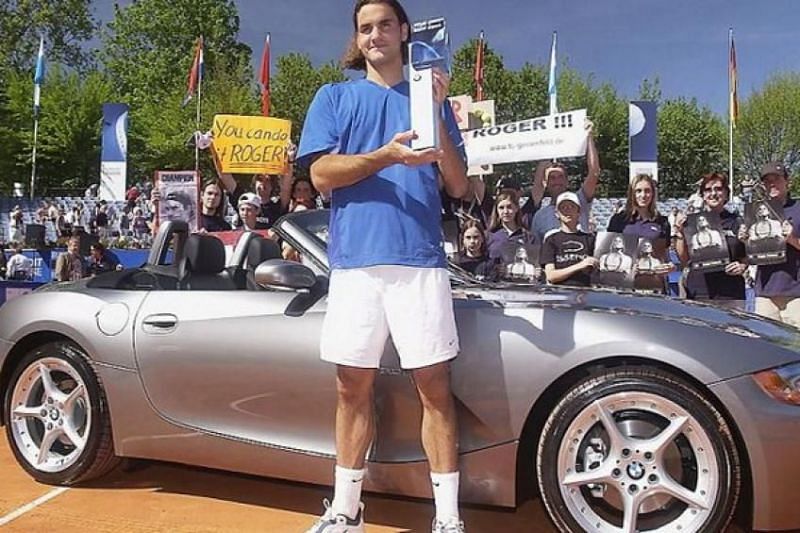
<point x="652" y="230"/>
<point x="783" y="279"/>
<point x="496" y="240"/>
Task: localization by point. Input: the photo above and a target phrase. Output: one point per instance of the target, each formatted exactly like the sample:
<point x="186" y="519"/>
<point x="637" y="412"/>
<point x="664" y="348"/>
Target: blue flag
<point x="38" y="78"/>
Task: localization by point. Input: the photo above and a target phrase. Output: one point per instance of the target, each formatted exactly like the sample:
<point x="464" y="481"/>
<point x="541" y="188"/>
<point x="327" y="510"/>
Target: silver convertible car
<point x="624" y="412"/>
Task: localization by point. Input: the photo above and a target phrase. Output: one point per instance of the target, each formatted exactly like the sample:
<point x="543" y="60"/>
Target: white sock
<point x="347" y="491"/>
<point x="445" y="495"/>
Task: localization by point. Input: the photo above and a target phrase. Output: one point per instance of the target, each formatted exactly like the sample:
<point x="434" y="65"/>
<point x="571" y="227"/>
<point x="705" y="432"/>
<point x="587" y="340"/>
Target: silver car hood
<point x="655" y="307"/>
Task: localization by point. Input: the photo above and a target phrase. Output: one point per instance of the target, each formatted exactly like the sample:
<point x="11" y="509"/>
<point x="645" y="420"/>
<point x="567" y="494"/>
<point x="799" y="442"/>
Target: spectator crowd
<point x="546" y="234"/>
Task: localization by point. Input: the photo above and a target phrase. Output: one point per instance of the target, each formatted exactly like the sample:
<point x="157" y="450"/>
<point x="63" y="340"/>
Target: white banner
<point x="534" y="139"/>
<point x="112" y="180"/>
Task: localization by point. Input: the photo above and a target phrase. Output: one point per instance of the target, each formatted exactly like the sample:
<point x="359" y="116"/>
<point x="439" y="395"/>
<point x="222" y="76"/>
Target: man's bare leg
<point x="355" y="428"/>
<point x="440" y="438"/>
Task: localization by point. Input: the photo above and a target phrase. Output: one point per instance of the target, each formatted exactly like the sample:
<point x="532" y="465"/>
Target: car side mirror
<point x="284" y="274"/>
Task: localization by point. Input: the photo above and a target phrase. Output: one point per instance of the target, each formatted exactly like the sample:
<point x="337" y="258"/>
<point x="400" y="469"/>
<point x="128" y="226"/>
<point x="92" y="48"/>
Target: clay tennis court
<point x="156" y="497"/>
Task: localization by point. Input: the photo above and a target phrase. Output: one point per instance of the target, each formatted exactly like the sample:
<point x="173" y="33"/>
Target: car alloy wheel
<point x="50" y="420"/>
<point x="638" y="450"/>
<point x="58" y="424"/>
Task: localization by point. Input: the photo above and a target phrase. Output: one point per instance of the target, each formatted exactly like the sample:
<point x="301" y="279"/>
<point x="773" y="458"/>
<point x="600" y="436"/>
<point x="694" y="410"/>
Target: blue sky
<point x="683" y="42"/>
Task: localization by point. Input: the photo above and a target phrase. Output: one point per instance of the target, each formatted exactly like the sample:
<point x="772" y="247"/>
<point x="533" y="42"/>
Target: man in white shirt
<point x="19" y="267"/>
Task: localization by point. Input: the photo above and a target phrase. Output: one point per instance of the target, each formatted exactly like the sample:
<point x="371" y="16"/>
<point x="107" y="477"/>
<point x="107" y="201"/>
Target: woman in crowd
<point x="473" y="256"/>
<point x="641" y="218"/>
<point x="506" y="224"/>
<point x="726" y="287"/>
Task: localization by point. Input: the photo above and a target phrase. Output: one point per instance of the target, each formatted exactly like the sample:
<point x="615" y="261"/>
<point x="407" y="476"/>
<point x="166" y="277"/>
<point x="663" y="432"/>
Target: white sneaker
<point x="453" y="525"/>
<point x="339" y="523"/>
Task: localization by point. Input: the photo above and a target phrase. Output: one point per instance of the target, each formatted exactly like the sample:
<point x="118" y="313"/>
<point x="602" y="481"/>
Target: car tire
<point x="668" y="463"/>
<point x="58" y="422"/>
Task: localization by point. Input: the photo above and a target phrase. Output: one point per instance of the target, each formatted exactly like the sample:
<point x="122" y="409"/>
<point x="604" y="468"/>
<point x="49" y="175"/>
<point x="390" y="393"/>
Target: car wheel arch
<point x="546" y="402"/>
<point x="23" y="347"/>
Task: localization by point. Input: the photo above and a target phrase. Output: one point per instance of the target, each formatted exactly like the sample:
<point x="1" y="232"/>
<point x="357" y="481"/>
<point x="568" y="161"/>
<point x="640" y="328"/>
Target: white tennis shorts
<point x="366" y="305"/>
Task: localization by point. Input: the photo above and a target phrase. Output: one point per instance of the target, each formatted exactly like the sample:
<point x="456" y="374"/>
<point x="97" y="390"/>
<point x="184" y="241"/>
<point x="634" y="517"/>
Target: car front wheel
<point x="637" y="449"/>
<point x="58" y="424"/>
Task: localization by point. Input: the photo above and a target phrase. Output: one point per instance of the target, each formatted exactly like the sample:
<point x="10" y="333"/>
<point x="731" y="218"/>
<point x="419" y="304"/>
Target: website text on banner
<point x="251" y="145"/>
<point x="535" y="139"/>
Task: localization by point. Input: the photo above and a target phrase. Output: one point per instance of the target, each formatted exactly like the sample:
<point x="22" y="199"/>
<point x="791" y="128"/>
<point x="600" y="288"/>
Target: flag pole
<point x="199" y="97"/>
<point x="731" y="103"/>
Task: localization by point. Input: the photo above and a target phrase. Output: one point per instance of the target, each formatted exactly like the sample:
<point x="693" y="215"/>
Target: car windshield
<point x="314" y="223"/>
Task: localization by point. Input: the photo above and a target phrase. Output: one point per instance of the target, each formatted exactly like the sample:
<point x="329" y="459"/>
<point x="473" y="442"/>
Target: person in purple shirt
<point x="724" y="288"/>
<point x="778" y="286"/>
<point x="641" y="218"/>
<point x="506" y="224"/>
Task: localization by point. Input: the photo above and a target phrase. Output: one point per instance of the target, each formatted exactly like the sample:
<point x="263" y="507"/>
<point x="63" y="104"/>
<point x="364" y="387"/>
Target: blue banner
<point x="115" y="133"/>
<point x="643" y="131"/>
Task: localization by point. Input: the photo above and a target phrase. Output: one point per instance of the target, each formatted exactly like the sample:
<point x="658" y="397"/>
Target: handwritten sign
<point x="251" y="145"/>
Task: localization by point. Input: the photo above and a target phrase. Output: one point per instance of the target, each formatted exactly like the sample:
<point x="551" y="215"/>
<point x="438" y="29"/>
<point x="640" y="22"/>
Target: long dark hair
<point x="220" y="210"/>
<point x="469" y="224"/>
<point x="353" y="58"/>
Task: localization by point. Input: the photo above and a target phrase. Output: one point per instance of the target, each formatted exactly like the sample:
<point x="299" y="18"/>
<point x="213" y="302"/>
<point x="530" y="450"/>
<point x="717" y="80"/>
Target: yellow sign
<point x="251" y="145"/>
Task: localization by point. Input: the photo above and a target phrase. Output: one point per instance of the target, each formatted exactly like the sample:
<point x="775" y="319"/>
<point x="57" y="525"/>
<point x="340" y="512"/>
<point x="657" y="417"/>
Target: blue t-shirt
<point x="391" y="217"/>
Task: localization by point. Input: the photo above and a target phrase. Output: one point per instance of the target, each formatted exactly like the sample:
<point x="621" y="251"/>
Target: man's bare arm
<point x="593" y="164"/>
<point x="332" y="171"/>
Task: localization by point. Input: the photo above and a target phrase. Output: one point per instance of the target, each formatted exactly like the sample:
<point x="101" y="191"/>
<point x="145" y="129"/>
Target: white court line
<point x="13" y="515"/>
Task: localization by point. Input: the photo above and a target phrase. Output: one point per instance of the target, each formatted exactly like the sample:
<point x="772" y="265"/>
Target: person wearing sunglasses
<point x="725" y="288"/>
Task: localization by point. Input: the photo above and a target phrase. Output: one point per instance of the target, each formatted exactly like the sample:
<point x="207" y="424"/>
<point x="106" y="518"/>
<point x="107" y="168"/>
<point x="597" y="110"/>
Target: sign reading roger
<point x="534" y="139"/>
<point x="251" y="145"/>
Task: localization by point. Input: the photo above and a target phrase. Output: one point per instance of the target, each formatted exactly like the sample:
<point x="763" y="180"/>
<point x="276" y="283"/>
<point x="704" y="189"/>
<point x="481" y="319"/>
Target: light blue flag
<point x="552" y="89"/>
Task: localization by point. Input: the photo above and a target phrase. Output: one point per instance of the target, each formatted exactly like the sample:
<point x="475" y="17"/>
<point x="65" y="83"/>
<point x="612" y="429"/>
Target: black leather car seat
<point x="203" y="265"/>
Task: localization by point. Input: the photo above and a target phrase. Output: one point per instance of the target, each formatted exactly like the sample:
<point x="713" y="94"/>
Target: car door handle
<point x="160" y="324"/>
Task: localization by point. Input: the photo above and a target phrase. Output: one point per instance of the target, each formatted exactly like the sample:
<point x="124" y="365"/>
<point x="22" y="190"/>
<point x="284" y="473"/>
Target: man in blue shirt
<point x="388" y="268"/>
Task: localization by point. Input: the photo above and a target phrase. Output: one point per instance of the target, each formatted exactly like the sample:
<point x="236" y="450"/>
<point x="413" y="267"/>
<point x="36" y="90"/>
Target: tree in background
<point x="69" y="132"/>
<point x="65" y="25"/>
<point x="294" y="85"/>
<point x="769" y="127"/>
<point x="692" y="141"/>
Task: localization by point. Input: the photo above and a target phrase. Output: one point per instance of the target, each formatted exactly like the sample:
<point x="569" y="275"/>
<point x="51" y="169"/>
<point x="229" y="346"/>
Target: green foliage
<point x="69" y="129"/>
<point x="692" y="141"/>
<point x="149" y="48"/>
<point x="65" y="25"/>
<point x="769" y="127"/>
<point x="294" y="85"/>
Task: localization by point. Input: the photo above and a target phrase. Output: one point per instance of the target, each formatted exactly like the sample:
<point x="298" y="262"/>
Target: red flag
<point x="733" y="84"/>
<point x="479" y="69"/>
<point x="195" y="72"/>
<point x="263" y="78"/>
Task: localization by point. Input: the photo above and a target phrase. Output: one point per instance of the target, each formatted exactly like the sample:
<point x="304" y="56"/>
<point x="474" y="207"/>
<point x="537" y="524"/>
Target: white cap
<point x="251" y="199"/>
<point x="568" y="197"/>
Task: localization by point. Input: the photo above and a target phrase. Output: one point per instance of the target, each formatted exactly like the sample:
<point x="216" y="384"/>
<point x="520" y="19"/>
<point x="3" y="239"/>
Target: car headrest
<point x="204" y="254"/>
<point x="260" y="250"/>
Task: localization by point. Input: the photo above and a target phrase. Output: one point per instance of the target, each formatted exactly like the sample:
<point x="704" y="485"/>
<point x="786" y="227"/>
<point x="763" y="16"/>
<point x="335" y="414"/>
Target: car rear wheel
<point x="58" y="424"/>
<point x="637" y="449"/>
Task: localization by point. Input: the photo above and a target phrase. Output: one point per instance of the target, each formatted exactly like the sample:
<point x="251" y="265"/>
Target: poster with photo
<point x="520" y="263"/>
<point x="650" y="267"/>
<point x="615" y="253"/>
<point x="765" y="244"/>
<point x="179" y="192"/>
<point x="706" y="242"/>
